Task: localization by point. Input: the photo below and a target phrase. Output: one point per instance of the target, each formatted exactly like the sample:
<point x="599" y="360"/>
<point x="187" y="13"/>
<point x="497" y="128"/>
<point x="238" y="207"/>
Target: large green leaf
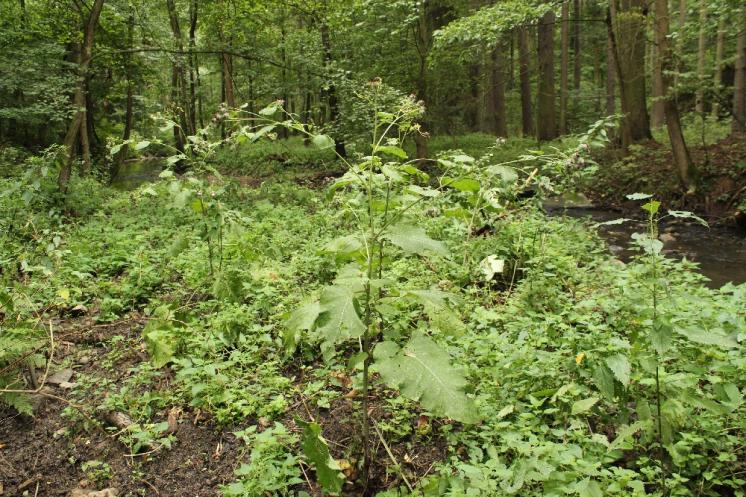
<point x="414" y="240"/>
<point x="160" y="341"/>
<point x="393" y="151"/>
<point x="619" y="365"/>
<point x="708" y="337"/>
<point x="436" y="307"/>
<point x="328" y="471"/>
<point x="584" y="405"/>
<point x="339" y="317"/>
<point x="422" y="372"/>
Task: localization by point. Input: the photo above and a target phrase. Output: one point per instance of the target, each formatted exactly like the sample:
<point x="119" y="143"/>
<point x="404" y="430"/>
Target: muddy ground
<point x="44" y="455"/>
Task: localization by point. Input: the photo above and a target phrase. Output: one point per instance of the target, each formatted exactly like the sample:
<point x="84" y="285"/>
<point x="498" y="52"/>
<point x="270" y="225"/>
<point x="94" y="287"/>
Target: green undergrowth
<point x="587" y="376"/>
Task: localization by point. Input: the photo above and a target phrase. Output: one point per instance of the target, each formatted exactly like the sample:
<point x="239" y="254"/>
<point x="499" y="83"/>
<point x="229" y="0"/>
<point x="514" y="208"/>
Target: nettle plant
<point x="675" y="371"/>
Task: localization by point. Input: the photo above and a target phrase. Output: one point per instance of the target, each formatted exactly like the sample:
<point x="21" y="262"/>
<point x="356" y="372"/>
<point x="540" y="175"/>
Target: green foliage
<point x="272" y="467"/>
<point x="422" y="371"/>
<point x="316" y="449"/>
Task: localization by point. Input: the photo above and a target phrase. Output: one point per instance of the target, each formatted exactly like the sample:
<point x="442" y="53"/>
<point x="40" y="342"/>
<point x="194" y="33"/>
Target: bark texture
<point x="682" y="160"/>
<point x="547" y="121"/>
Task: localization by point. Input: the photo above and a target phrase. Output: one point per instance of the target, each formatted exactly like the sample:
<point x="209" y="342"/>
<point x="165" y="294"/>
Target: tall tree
<point x="718" y="78"/>
<point x="178" y="79"/>
<point x="626" y="24"/>
<point x="658" y="115"/>
<point x="77" y="126"/>
<point x="546" y="120"/>
<point x="130" y="97"/>
<point x="577" y="61"/>
<point x="683" y="161"/>
<point x="701" y="48"/>
<point x="497" y="91"/>
<point x="330" y="93"/>
<point x="611" y="73"/>
<point x="564" y="66"/>
<point x="524" y="65"/>
<point x="739" y="87"/>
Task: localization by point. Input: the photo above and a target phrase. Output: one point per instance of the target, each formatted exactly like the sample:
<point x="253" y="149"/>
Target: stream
<point x="720" y="252"/>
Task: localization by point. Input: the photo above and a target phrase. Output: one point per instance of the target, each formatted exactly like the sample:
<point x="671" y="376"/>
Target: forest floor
<point x="173" y="371"/>
<point x="43" y="455"/>
<point x="650" y="168"/>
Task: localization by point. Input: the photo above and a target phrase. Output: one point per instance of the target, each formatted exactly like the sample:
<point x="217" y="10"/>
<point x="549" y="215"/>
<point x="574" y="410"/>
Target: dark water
<point x="133" y="173"/>
<point x="720" y="252"/>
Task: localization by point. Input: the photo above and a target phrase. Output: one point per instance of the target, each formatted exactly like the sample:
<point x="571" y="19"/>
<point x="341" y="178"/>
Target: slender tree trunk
<point x="627" y="32"/>
<point x="564" y="66"/>
<point x="86" y="128"/>
<point x="683" y="161"/>
<point x="611" y="73"/>
<point x="283" y="132"/>
<point x="193" y="65"/>
<point x="577" y="62"/>
<point x="524" y="64"/>
<point x="178" y="81"/>
<point x="679" y="45"/>
<point x="718" y="78"/>
<point x="425" y="26"/>
<point x="739" y="87"/>
<point x="129" y="106"/>
<point x="700" y="98"/>
<point x="78" y="121"/>
<point x="331" y="91"/>
<point x="474" y="100"/>
<point x="230" y="96"/>
<point x="658" y="114"/>
<point x="497" y="91"/>
<point x="547" y="121"/>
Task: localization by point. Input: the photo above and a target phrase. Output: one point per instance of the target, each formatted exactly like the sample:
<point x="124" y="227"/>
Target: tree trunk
<point x="679" y="45"/>
<point x="86" y="128"/>
<point x="718" y="78"/>
<point x="524" y="58"/>
<point x="564" y="66"/>
<point x="611" y="73"/>
<point x="547" y="121"/>
<point x="331" y="92"/>
<point x="129" y="110"/>
<point x="627" y="29"/>
<point x="497" y="92"/>
<point x="230" y="97"/>
<point x="681" y="157"/>
<point x="78" y="121"/>
<point x="178" y="81"/>
<point x="739" y="87"/>
<point x="577" y="63"/>
<point x="658" y="114"/>
<point x="193" y="65"/>
<point x="700" y="98"/>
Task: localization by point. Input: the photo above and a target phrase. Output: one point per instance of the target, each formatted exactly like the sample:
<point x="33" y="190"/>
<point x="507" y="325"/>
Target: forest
<point x="375" y="248"/>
